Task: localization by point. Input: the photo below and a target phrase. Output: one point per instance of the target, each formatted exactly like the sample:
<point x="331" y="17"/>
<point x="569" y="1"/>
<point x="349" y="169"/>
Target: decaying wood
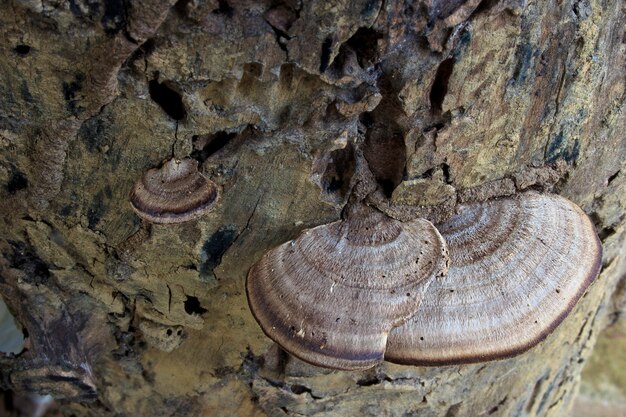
<point x="449" y="102"/>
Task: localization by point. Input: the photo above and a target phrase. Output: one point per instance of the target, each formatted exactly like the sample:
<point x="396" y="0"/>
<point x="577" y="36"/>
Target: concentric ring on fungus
<point x="517" y="268"/>
<point x="331" y="296"/>
<point x="175" y="193"/>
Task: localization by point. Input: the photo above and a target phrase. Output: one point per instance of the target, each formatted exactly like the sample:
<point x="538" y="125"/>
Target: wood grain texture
<point x="174" y="193"/>
<point x="518" y="267"/>
<point x="331" y="295"/>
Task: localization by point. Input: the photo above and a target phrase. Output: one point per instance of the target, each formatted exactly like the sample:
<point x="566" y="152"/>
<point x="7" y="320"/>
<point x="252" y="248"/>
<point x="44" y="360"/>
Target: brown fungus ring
<point x="331" y="296"/>
<point x="175" y="193"/>
<point x="517" y="268"/>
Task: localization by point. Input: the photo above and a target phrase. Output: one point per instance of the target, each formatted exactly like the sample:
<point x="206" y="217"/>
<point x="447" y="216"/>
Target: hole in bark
<point x="603" y="232"/>
<point x="606" y="233"/>
<point x="326" y="50"/>
<point x="253" y="68"/>
<point x="71" y="90"/>
<point x="365" y="43"/>
<point x="446" y="173"/>
<point x="339" y="171"/>
<point x="224" y="8"/>
<point x="8" y="400"/>
<point x="440" y="85"/>
<point x="206" y="145"/>
<point x="483" y="6"/>
<point x="25" y="258"/>
<point x="368" y="382"/>
<point x="385" y="153"/>
<point x="299" y="389"/>
<point x="281" y="38"/>
<point x="169" y="332"/>
<point x="192" y="306"/>
<point x="115" y="17"/>
<point x="170" y="101"/>
<point x="22" y="50"/>
<point x="18" y="181"/>
<point x="611" y="178"/>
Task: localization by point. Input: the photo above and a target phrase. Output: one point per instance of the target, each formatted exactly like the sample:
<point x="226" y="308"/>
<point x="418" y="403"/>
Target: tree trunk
<point x="475" y="99"/>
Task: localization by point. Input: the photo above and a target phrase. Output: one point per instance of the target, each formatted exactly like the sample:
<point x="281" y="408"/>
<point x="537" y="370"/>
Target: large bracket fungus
<point x="517" y="267"/>
<point x="331" y="296"/>
<point x="175" y="193"/>
<point x="340" y="295"/>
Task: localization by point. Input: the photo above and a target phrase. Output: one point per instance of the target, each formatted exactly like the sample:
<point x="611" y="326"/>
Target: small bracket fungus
<point x="517" y="268"/>
<point x="331" y="296"/>
<point x="175" y="193"/>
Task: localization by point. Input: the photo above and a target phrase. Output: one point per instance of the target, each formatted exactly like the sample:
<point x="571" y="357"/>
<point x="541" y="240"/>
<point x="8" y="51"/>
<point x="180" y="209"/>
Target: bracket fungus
<point x="331" y="296"/>
<point x="175" y="193"/>
<point x="517" y="267"/>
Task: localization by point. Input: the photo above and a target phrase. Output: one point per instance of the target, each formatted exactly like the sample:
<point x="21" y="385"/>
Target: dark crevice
<point x="281" y="38"/>
<point x="170" y="100"/>
<point x="611" y="178"/>
<point x="339" y="171"/>
<point x="142" y="52"/>
<point x="327" y="46"/>
<point x="25" y="258"/>
<point x="207" y="145"/>
<point x="368" y="382"/>
<point x="439" y="88"/>
<point x="365" y="43"/>
<point x="253" y="69"/>
<point x="440" y="9"/>
<point x="224" y="9"/>
<point x="192" y="306"/>
<point x="385" y="152"/>
<point x="8" y="400"/>
<point x="358" y="58"/>
<point x="22" y="50"/>
<point x="18" y="181"/>
<point x="446" y="173"/>
<point x="523" y="58"/>
<point x="71" y="92"/>
<point x="181" y="7"/>
<point x="483" y="7"/>
<point x="301" y="389"/>
<point x="384" y="147"/>
<point x="606" y="232"/>
<point x="115" y="17"/>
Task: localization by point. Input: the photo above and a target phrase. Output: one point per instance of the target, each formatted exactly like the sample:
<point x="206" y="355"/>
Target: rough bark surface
<point x="448" y="101"/>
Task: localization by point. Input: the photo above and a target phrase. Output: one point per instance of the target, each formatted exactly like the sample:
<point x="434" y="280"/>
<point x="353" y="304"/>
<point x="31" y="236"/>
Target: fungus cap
<point x="175" y="193"/>
<point x="331" y="295"/>
<point x="517" y="267"/>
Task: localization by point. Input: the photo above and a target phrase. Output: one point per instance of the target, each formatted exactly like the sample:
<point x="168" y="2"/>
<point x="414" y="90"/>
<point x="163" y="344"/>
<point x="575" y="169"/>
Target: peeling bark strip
<point x="60" y="346"/>
<point x="97" y="90"/>
<point x="294" y="110"/>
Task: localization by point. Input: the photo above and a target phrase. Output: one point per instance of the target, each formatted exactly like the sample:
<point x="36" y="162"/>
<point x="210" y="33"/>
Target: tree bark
<point x="449" y="101"/>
